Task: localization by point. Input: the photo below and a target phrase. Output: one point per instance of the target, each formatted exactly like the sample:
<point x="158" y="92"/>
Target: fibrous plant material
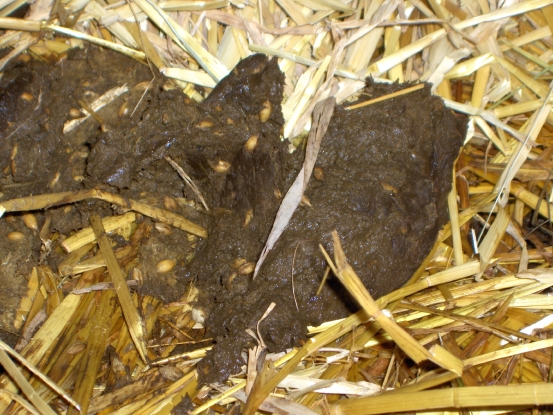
<point x="489" y="61"/>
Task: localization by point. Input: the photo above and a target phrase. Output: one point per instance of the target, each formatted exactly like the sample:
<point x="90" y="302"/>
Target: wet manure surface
<point x="381" y="180"/>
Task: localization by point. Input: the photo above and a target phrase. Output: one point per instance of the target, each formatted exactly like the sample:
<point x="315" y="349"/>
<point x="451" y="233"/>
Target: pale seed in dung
<point x="319" y="173"/>
<point x="30" y="221"/>
<point x="25" y="96"/>
<point x="206" y="124"/>
<point x="16" y="236"/>
<point x="237" y="263"/>
<point x="249" y="217"/>
<point x="220" y="167"/>
<point x="266" y="111"/>
<point x="169" y="203"/>
<point x="163" y="228"/>
<point x="75" y="113"/>
<point x="165" y="266"/>
<point x="123" y="109"/>
<point x="247" y="268"/>
<point x="251" y="143"/>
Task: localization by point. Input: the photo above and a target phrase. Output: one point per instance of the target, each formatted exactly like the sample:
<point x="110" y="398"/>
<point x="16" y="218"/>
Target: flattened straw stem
<point x="508" y="352"/>
<point x="218" y="398"/>
<point x="162" y="215"/>
<point x="351" y="281"/>
<point x="24" y="385"/>
<point x="188" y="181"/>
<point x="64" y="198"/>
<point x="141" y="56"/>
<point x="132" y="318"/>
<point x="93" y="113"/>
<point x="475" y="396"/>
<point x="12" y="23"/>
<point x="386" y="97"/>
<point x="19" y="399"/>
<point x="39" y="375"/>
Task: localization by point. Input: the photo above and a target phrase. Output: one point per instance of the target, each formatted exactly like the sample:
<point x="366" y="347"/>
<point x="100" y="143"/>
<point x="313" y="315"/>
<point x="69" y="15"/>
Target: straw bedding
<point x="469" y="331"/>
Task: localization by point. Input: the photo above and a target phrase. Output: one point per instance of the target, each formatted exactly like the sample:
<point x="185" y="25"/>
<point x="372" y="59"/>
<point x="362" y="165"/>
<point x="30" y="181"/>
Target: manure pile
<point x="292" y="207"/>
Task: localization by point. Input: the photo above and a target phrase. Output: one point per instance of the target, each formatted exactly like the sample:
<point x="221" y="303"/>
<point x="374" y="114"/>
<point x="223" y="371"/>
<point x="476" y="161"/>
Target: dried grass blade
<point x="164" y="403"/>
<point x="132" y="318"/>
<point x="537" y="87"/>
<point x="40" y="344"/>
<point x="308" y="93"/>
<point x="493" y="238"/>
<point x="299" y="59"/>
<point x="518" y="108"/>
<point x="406" y="52"/>
<point x="490" y="133"/>
<point x="12" y="23"/>
<point x="95" y="349"/>
<point x="19" y="399"/>
<point x="529" y="198"/>
<point x="351" y="281"/>
<point x="24" y="385"/>
<point x="521" y="152"/>
<point x="188" y="181"/>
<point x="218" y="398"/>
<point x="140" y="38"/>
<point x="56" y="199"/>
<point x="486" y="115"/>
<point x="98" y="104"/>
<point x="409" y="345"/>
<point x="182" y="38"/>
<point x="12" y="7"/>
<point x="162" y="215"/>
<point x="469" y="66"/>
<point x="86" y="235"/>
<point x="117" y="28"/>
<point x="321" y="118"/>
<point x="386" y="97"/>
<point x="455" y="227"/>
<point x="452" y="274"/>
<point x="179" y="5"/>
<point x="468" y="397"/>
<point x="507" y="352"/>
<point x="187" y="75"/>
<point x="65" y="268"/>
<point x="22" y="314"/>
<point x="293" y="358"/>
<point x="95" y="262"/>
<point x="529" y="37"/>
<point x="426" y="381"/>
<point x="277" y="405"/>
<point x="43" y="201"/>
<point x="97" y="41"/>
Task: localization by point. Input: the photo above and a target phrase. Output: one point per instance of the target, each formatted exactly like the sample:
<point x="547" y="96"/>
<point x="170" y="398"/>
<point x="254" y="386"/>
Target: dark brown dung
<point x="382" y="178"/>
<point x="383" y="175"/>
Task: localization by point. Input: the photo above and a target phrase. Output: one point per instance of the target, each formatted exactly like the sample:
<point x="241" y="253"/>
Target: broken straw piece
<point x="99" y="103"/>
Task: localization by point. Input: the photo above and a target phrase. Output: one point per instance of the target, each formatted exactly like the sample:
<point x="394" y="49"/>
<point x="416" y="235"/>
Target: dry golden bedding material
<point x="474" y="319"/>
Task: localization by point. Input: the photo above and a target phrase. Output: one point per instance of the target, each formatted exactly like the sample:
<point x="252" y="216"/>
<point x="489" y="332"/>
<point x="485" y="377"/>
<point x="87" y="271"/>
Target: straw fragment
<point x="134" y="322"/>
<point x="56" y="199"/>
<point x="86" y="235"/>
<point x="410" y="346"/>
<point x="459" y="398"/>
